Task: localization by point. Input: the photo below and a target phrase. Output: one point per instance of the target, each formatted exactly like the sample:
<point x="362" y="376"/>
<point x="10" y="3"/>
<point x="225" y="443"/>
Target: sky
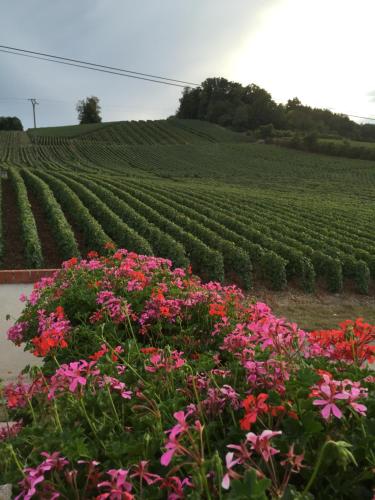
<point x="320" y="51"/>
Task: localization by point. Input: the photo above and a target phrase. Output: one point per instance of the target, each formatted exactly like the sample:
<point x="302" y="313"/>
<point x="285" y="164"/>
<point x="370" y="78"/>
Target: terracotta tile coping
<point x="24" y="276"/>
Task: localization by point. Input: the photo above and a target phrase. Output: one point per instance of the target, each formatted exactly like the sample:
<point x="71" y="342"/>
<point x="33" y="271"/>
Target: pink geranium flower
<point x="328" y="402"/>
<point x="141" y="471"/>
<point x="118" y="486"/>
<point x="230" y="474"/>
<point x="261" y="444"/>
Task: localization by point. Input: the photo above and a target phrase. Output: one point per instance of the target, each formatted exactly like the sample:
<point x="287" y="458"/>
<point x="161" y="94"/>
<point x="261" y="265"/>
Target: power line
<point x="353" y="116"/>
<point x="137" y="107"/>
<point x="363" y="117"/>
<point x="103" y="105"/>
<point x="92" y="69"/>
<point x="96" y="66"/>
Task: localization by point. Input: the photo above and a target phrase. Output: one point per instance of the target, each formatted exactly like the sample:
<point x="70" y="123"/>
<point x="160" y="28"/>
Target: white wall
<point x="12" y="359"/>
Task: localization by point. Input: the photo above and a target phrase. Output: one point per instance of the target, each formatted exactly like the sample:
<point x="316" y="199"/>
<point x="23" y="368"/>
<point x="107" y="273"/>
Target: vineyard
<point x="192" y="192"/>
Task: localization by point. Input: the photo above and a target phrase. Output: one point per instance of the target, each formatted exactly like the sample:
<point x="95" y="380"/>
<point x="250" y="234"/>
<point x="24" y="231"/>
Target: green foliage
<point x="59" y="225"/>
<point x="230" y="104"/>
<point x="95" y="237"/>
<point x="131" y="399"/>
<point x="250" y="487"/>
<point x="120" y="232"/>
<point x="250" y="107"/>
<point x="89" y="110"/>
<point x="33" y="249"/>
<point x="314" y="143"/>
<point x="162" y="244"/>
<point x="10" y="123"/>
<point x="190" y="190"/>
<point x="266" y="131"/>
<point x="204" y="260"/>
<point x="273" y="270"/>
<point x="236" y="260"/>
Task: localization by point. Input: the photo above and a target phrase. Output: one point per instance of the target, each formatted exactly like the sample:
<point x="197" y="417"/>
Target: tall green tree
<point x="10" y="123"/>
<point x="89" y="110"/>
<point x="250" y="107"/>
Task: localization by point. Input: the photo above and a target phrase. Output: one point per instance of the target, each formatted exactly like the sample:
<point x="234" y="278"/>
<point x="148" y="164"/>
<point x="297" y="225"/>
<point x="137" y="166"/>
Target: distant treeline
<point x="10" y="123"/>
<point x="230" y="104"/>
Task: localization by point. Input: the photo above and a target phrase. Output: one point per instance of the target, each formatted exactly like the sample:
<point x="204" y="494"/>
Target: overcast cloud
<point x="291" y="47"/>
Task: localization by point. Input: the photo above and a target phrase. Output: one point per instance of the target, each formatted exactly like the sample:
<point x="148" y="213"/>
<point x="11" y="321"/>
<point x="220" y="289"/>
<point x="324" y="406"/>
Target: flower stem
<point x="316" y="467"/>
<point x="15" y="458"/>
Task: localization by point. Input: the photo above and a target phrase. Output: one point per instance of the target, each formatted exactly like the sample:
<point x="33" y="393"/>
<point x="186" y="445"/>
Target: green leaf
<point x="311" y="423"/>
<point x="249" y="488"/>
<point x="306" y="377"/>
<point x="291" y="493"/>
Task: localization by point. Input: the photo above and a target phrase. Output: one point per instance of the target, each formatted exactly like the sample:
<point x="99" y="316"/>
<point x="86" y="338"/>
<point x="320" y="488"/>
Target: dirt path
<point x="50" y="251"/>
<point x="13" y="246"/>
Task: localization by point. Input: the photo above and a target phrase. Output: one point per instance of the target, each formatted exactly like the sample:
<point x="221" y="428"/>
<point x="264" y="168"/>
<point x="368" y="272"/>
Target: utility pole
<point x="34" y="103"/>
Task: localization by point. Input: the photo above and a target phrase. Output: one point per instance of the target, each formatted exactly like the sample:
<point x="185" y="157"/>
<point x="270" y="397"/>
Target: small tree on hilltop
<point x="10" y="123"/>
<point x="89" y="110"/>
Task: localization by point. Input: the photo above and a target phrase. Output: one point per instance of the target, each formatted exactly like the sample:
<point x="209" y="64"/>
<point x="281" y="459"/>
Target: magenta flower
<point x="176" y="487"/>
<point x="32" y="478"/>
<point x="172" y="446"/>
<point x="141" y="471"/>
<point x="53" y="461"/>
<point x="354" y="394"/>
<point x="116" y="385"/>
<point x="15" y="333"/>
<point x="261" y="444"/>
<point x="118" y="486"/>
<point x="74" y="375"/>
<point x="328" y="403"/>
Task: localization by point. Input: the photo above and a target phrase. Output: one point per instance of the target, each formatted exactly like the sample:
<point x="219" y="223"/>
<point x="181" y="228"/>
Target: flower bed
<point x="155" y="385"/>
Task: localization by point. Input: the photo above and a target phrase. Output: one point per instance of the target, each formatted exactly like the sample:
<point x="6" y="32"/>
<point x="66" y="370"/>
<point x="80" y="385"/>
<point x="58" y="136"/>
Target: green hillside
<point x="172" y="131"/>
<point x="194" y="192"/>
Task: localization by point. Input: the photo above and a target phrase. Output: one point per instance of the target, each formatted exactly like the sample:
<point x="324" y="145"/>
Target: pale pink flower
<point x="230" y="474"/>
<point x="328" y="403"/>
<point x="261" y="444"/>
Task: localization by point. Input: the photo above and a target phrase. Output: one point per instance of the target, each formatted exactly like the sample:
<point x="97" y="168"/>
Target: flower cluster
<point x="164" y="360"/>
<point x="15" y="332"/>
<point x="18" y="394"/>
<point x="353" y="342"/>
<point x="182" y="430"/>
<point x="116" y="309"/>
<point x="10" y="430"/>
<point x="72" y="377"/>
<point x="99" y="483"/>
<point x="333" y="394"/>
<point x="182" y="389"/>
<point x="52" y="332"/>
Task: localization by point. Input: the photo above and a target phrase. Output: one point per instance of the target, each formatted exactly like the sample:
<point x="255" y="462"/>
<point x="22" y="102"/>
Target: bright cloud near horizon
<point x="320" y="51"/>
